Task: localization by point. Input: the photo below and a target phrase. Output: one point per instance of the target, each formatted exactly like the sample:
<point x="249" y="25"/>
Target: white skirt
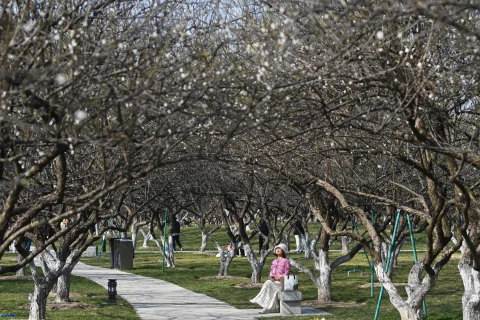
<point x="268" y="295"/>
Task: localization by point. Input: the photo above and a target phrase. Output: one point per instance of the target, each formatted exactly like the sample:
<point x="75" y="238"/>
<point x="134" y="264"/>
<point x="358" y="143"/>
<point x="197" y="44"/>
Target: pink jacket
<point x="280" y="267"/>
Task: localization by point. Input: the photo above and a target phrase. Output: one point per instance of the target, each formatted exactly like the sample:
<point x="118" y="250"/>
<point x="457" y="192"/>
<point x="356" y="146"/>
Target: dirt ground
<point x="336" y="304"/>
<point x="72" y="305"/>
<point x="379" y="285"/>
<point x="68" y="306"/>
<point x="16" y="278"/>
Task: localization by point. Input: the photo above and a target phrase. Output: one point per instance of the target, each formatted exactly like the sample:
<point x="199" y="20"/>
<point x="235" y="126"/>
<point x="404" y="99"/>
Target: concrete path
<point x="155" y="299"/>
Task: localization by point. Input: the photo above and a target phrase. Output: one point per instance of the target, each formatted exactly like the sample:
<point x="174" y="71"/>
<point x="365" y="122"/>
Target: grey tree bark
<point x="471" y="294"/>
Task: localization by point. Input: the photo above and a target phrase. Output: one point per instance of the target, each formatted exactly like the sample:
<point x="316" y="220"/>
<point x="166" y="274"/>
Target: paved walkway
<point x="155" y="299"/>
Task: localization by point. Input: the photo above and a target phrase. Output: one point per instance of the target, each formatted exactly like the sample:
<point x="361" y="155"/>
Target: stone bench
<point x="290" y="302"/>
<point x="91" y="251"/>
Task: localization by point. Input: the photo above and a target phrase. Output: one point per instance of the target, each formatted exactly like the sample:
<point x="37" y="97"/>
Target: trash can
<point x="123" y="254"/>
<point x="111" y="242"/>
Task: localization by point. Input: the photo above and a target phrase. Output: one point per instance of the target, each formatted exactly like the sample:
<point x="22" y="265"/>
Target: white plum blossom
<point x="380" y="35"/>
<point x="79" y="116"/>
<point x="29" y="26"/>
<point x="61" y="78"/>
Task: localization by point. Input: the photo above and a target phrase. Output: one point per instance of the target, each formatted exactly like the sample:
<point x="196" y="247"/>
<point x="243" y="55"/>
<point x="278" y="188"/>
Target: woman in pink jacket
<point x="267" y="297"/>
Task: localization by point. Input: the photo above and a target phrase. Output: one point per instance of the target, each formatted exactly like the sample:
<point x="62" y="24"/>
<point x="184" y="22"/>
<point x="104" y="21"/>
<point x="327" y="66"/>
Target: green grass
<point x="196" y="271"/>
<point x="90" y="300"/>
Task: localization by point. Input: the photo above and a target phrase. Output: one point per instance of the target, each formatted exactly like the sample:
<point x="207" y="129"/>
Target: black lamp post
<point x="112" y="291"/>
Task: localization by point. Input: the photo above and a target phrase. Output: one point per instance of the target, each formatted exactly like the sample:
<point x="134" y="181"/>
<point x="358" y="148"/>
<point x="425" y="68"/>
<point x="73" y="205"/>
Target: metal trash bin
<point x="123" y="254"/>
<point x="111" y="242"/>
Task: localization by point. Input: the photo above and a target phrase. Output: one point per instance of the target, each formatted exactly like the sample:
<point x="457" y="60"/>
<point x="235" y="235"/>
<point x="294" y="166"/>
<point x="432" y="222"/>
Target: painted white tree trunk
<point x="44" y="284"/>
<point x="225" y="258"/>
<point x="146" y="237"/>
<point x="38" y="300"/>
<point x="410" y="309"/>
<point x="134" y="237"/>
<point x="256" y="264"/>
<point x="471" y="294"/>
<point x="324" y="282"/>
<point x="204" y="242"/>
<point x="345" y="243"/>
<point x="169" y="254"/>
<point x="97" y="228"/>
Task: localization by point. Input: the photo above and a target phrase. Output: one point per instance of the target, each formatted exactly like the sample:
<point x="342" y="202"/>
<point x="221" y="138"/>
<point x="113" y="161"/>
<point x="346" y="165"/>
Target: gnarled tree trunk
<point x="410" y="309"/>
<point x="471" y="294"/>
<point x="324" y="281"/>
<point x="63" y="284"/>
<point x="38" y="300"/>
<point x="256" y="264"/>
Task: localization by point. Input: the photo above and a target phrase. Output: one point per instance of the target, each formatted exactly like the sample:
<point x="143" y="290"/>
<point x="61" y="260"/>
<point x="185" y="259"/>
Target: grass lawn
<point x="88" y="300"/>
<point x="197" y="272"/>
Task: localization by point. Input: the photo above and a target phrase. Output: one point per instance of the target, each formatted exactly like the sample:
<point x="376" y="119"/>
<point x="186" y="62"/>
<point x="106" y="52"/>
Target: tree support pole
<point x="387" y="265"/>
<point x="415" y="258"/>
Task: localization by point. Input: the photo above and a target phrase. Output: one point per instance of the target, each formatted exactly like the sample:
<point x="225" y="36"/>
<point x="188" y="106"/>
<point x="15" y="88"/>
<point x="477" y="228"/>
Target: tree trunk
<point x="307" y="245"/>
<point x="149" y="236"/>
<point x="396" y="253"/>
<point x="257" y="264"/>
<point x="225" y="260"/>
<point x="134" y="236"/>
<point x="471" y="294"/>
<point x="324" y="284"/>
<point x="204" y="242"/>
<point x="38" y="300"/>
<point x="43" y="285"/>
<point x="345" y="243"/>
<point x="256" y="273"/>
<point x="97" y="228"/>
<point x="22" y="271"/>
<point x="406" y="311"/>
<point x="169" y="254"/>
<point x="146" y="237"/>
<point x="63" y="285"/>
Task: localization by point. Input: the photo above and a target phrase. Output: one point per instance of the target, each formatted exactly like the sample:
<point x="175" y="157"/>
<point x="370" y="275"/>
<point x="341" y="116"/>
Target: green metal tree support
<point x="387" y="265"/>
<point x="389" y="258"/>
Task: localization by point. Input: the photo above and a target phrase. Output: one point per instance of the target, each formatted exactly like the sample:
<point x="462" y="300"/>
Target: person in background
<point x="176" y="235"/>
<point x="240" y="250"/>
<point x="64" y="223"/>
<point x="299" y="233"/>
<point x="263" y="234"/>
<point x="267" y="298"/>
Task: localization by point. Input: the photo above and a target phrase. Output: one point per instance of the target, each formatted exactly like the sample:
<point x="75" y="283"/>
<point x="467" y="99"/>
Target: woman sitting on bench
<point x="267" y="298"/>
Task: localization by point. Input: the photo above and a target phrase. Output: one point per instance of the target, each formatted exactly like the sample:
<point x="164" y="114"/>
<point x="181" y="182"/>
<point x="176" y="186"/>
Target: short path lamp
<point x="112" y="291"/>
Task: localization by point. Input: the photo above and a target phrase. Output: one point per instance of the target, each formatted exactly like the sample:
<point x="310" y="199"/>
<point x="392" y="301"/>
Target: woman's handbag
<point x="289" y="282"/>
